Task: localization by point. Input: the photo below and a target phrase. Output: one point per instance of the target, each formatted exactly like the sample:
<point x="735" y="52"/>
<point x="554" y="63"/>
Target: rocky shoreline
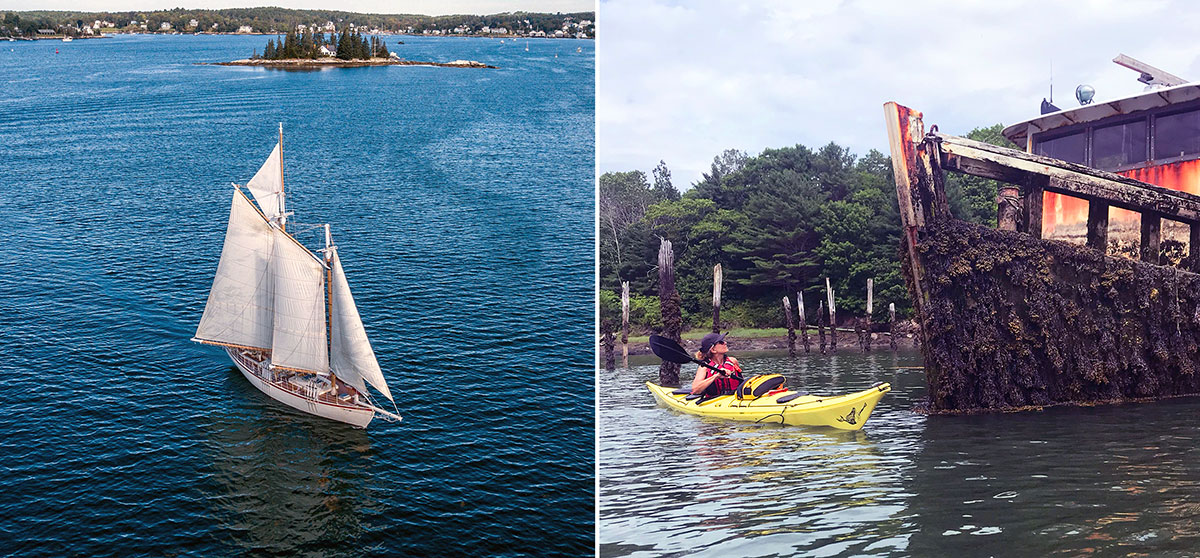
<point x="310" y="63"/>
<point x="905" y="339"/>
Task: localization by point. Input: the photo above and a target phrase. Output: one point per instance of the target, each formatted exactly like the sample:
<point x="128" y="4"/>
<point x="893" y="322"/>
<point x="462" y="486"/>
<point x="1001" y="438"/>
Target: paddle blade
<point x="669" y="350"/>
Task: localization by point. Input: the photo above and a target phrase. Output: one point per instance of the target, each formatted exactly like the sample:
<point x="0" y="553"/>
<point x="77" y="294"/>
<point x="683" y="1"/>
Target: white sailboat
<point x="285" y="315"/>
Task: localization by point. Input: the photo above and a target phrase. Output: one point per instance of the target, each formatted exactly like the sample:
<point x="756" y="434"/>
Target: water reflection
<point x="284" y="482"/>
<point x="672" y="483"/>
<point x="1110" y="480"/>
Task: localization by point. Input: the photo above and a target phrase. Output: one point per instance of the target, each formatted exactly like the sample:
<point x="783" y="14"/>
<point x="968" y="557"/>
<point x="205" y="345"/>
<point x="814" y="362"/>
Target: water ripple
<point x="463" y="211"/>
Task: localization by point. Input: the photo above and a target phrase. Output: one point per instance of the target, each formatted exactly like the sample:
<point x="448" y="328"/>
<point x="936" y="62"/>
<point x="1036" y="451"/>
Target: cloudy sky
<point x="428" y="7"/>
<point x="682" y="81"/>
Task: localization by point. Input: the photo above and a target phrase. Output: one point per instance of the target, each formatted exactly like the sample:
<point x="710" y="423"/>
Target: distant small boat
<point x="578" y="49"/>
<point x="66" y="39"/>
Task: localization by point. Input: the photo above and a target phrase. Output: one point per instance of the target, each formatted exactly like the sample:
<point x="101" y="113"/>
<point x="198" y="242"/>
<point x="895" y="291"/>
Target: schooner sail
<point x="285" y="315"/>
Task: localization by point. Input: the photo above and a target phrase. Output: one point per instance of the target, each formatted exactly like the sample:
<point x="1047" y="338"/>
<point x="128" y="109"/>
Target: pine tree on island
<point x="307" y="44"/>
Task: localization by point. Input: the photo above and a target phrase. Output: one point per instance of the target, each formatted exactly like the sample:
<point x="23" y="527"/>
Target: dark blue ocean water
<point x="462" y="204"/>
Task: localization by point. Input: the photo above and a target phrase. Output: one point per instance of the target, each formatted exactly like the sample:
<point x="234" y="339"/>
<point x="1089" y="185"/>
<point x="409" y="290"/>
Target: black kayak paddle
<point x="670" y="351"/>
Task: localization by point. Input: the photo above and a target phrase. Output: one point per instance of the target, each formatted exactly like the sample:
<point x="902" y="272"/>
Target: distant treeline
<point x="778" y="223"/>
<point x="281" y="20"/>
<point x="347" y="46"/>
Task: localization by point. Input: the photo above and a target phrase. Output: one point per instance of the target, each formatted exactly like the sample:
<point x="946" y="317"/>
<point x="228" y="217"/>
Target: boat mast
<point x="329" y="302"/>
<point x="282" y="215"/>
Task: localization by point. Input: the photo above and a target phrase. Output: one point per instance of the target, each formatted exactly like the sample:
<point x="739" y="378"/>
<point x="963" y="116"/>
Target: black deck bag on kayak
<point x="759" y="386"/>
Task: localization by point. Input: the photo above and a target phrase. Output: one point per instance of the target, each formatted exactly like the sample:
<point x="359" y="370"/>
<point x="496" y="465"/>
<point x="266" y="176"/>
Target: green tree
<point x="972" y="198"/>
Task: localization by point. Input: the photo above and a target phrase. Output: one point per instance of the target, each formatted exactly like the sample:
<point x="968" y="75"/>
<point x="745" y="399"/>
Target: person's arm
<point x="701" y="383"/>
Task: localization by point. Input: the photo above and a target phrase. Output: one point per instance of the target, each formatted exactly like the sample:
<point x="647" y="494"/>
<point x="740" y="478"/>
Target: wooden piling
<point x="1097" y="225"/>
<point x="1151" y="236"/>
<point x="1031" y="208"/>
<point x="803" y="324"/>
<point x="892" y="325"/>
<point x="1194" y="247"/>
<point x="607" y="340"/>
<point x="821" y="325"/>
<point x="625" y="324"/>
<point x="717" y="278"/>
<point x="870" y="304"/>
<point x="787" y="314"/>
<point x="1008" y="207"/>
<point x="858" y="332"/>
<point x="668" y="298"/>
<point x="832" y="317"/>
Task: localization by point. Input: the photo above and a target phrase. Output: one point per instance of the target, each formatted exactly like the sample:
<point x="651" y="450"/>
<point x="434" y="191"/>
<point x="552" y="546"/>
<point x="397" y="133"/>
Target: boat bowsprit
<point x="771" y="403"/>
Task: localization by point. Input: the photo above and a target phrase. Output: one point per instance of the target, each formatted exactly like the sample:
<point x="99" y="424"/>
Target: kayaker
<point x="712" y="383"/>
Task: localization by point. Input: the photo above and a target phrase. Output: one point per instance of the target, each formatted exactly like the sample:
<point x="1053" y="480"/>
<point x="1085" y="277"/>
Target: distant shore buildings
<point x="267" y="21"/>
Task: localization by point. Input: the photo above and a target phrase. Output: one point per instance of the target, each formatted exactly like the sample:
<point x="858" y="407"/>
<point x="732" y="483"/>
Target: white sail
<point x="267" y="184"/>
<point x="298" y="336"/>
<point x="239" y="308"/>
<point x="351" y="358"/>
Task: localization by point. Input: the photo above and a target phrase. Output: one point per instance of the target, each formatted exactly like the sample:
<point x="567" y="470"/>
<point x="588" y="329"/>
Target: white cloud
<point x="682" y="82"/>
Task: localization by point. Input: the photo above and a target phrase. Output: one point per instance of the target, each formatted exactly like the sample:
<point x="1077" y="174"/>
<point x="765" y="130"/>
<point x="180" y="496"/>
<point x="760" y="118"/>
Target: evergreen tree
<point x="343" y="45"/>
<point x="308" y="46"/>
<point x="269" y="52"/>
<point x="383" y="50"/>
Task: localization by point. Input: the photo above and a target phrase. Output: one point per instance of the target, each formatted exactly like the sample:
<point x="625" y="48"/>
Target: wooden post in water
<point x="803" y="324"/>
<point x="821" y="325"/>
<point x="668" y="299"/>
<point x="716" y="327"/>
<point x="832" y="317"/>
<point x="787" y="314"/>
<point x="870" y="305"/>
<point x="892" y="325"/>
<point x="607" y="340"/>
<point x="625" y="324"/>
<point x="858" y="332"/>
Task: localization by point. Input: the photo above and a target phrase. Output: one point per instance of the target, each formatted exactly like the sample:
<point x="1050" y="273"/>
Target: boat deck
<point x="308" y="386"/>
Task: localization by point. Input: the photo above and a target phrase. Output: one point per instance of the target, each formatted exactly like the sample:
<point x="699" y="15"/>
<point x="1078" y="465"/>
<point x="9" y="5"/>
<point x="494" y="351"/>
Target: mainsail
<point x="240" y="308"/>
<point x="352" y="358"/>
<point x="298" y="333"/>
<point x="267" y="184"/>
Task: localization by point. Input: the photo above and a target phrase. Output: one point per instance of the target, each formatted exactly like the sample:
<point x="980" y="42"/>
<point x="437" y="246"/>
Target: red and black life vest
<point x="726" y="385"/>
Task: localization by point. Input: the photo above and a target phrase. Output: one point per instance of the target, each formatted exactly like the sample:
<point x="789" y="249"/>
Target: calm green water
<point x="1109" y="481"/>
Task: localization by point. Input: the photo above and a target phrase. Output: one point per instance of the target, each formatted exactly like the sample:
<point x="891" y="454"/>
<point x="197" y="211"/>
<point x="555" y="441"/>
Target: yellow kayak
<point x="846" y="412"/>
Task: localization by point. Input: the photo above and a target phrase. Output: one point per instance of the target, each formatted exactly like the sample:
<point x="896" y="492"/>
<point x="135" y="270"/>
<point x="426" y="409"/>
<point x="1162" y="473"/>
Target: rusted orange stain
<point x="1069" y="212"/>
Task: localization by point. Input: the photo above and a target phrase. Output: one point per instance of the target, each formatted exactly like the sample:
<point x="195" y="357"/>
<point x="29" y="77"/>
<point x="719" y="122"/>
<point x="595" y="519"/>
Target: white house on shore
<point x="327" y="50"/>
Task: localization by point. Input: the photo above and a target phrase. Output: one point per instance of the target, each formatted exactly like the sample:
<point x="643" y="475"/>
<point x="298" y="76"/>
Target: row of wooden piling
<point x="862" y="326"/>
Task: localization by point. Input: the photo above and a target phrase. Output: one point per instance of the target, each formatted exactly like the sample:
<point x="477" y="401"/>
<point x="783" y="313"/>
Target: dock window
<point x="1068" y="148"/>
<point x="1118" y="145"/>
<point x="1176" y="135"/>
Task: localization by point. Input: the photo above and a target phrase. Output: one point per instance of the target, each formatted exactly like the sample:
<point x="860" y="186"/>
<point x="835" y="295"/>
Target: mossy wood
<point x="1009" y="320"/>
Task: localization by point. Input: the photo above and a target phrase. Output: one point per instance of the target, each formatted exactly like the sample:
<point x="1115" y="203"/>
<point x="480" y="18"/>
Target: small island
<point x="303" y="50"/>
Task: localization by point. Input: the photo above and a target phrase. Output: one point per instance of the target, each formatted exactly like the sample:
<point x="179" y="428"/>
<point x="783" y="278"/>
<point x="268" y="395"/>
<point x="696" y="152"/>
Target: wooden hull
<point x="257" y="373"/>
